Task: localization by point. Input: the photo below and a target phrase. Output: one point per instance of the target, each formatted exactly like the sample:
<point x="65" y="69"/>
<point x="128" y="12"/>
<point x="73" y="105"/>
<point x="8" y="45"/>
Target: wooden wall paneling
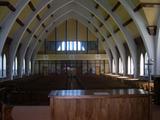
<point x="100" y="108"/>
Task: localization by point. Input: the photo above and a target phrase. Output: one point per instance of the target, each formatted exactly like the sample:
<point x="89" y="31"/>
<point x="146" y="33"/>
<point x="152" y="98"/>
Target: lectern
<point x="114" y="104"/>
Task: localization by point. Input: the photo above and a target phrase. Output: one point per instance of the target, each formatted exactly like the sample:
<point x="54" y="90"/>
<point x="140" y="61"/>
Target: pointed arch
<point x="113" y="66"/>
<point x="129" y="67"/>
<point x="120" y="66"/>
<point x="24" y="66"/>
<point x="132" y="67"/>
<point x="1" y="66"/>
<point x="15" y="67"/>
<point x="141" y="67"/>
<point x="146" y="62"/>
<point x="4" y="65"/>
<point x="30" y="67"/>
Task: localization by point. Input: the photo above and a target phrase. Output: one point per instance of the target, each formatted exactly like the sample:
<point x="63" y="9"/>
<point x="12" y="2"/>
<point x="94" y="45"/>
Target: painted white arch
<point x="86" y="24"/>
<point x="157" y="39"/>
<point x="9" y="21"/>
<point x="88" y="5"/>
<point x="28" y="40"/>
<point x="19" y="35"/>
<point x="121" y="46"/>
<point x="50" y="13"/>
<point x="141" y="25"/>
<point x="127" y="35"/>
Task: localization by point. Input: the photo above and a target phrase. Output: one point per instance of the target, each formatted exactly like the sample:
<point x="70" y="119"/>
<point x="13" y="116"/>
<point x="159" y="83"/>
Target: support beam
<point x="101" y="25"/>
<point x="127" y="22"/>
<point x="35" y="36"/>
<point x="116" y="6"/>
<point x="107" y="17"/>
<point x="8" y="4"/>
<point x="103" y="40"/>
<point x="116" y="30"/>
<point x="48" y="6"/>
<point x="43" y="25"/>
<point x="92" y="15"/>
<point x="29" y="31"/>
<point x="38" y="17"/>
<point x="96" y="30"/>
<point x="97" y="6"/>
<point x="108" y="36"/>
<point x="19" y="22"/>
<point x="32" y="6"/>
<point x="52" y="15"/>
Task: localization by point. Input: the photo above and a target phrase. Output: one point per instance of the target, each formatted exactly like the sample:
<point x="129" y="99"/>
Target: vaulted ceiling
<point x="24" y="24"/>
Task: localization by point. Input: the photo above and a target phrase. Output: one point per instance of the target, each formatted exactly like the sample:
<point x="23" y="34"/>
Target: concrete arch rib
<point x="9" y="21"/>
<point x="157" y="60"/>
<point x="83" y="22"/>
<point x="32" y="36"/>
<point x="18" y="37"/>
<point x="89" y="6"/>
<point x="141" y="25"/>
<point x="25" y="43"/>
<point x="80" y="8"/>
<point x="131" y="44"/>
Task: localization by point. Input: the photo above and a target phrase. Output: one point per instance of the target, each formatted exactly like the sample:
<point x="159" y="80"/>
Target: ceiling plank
<point x="32" y="6"/>
<point x="19" y="22"/>
<point x="116" y="6"/>
<point x="127" y="22"/>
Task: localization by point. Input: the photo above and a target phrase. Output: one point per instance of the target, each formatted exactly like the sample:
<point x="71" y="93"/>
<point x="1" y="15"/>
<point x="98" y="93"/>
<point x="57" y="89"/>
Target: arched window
<point x="15" y="67"/>
<point x="113" y="66"/>
<point x="129" y="65"/>
<point x="24" y="66"/>
<point x="141" y="65"/>
<point x="120" y="66"/>
<point x="146" y="66"/>
<point x="1" y="67"/>
<point x="132" y="67"/>
<point x="30" y="67"/>
<point x="4" y="65"/>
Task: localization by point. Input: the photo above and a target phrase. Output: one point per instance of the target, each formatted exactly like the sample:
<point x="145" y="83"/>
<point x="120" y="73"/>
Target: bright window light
<point x="71" y="46"/>
<point x="63" y="46"/>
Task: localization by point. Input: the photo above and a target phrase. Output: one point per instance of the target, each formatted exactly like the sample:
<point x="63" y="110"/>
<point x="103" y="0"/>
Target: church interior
<point x="79" y="59"/>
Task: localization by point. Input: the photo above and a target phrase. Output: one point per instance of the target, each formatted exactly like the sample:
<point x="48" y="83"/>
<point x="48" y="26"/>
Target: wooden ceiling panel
<point x="25" y="13"/>
<point x="39" y="32"/>
<point x="43" y="12"/>
<point x="48" y="21"/>
<point x="112" y="23"/>
<point x="34" y="24"/>
<point x="13" y="2"/>
<point x="112" y="2"/>
<point x="121" y="36"/>
<point x="132" y="27"/>
<point x="151" y="14"/>
<point x="14" y="29"/>
<point x="4" y="11"/>
<point x="35" y="2"/>
<point x="122" y="13"/>
<point x="25" y="37"/>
